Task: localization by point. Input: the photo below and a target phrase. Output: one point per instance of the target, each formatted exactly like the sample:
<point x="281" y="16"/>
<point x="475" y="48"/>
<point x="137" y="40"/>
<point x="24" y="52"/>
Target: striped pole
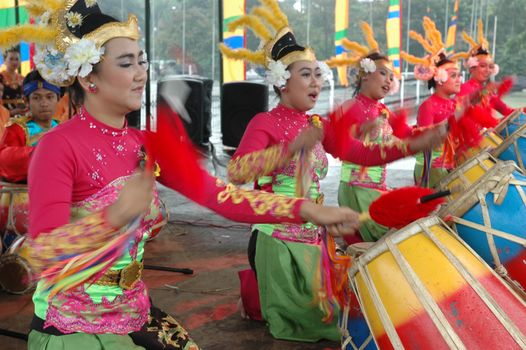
<point x="394" y="33"/>
<point x="233" y="70"/>
<point x="452" y="31"/>
<point x="341" y="25"/>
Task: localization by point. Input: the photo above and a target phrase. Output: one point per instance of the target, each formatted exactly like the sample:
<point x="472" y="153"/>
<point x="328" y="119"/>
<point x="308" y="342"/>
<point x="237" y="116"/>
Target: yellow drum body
<point x="423" y="288"/>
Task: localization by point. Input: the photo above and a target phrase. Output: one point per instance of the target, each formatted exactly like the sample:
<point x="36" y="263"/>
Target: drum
<point x="423" y="288"/>
<point x="16" y="275"/>
<point x="14" y="212"/>
<point x="354" y="327"/>
<point x="514" y="145"/>
<point x="511" y="123"/>
<point x="489" y="217"/>
<point x="490" y="140"/>
<point x="467" y="174"/>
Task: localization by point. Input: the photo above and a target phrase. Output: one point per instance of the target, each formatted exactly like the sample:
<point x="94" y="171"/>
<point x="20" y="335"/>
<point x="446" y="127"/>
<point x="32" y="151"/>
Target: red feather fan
<point x="173" y="150"/>
<point x="398" y="122"/>
<point x="505" y="86"/>
<point x="341" y="123"/>
<point x="402" y="206"/>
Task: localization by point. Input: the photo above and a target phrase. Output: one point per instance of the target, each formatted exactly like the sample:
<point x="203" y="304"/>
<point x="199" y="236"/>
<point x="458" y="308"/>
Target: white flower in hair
<point x="277" y="73"/>
<point x="441" y="76"/>
<point x="495" y="70"/>
<point x="472" y="62"/>
<point x="51" y="65"/>
<point x="81" y="57"/>
<point x="395" y="86"/>
<point x="326" y="71"/>
<point x="368" y="65"/>
<point x="74" y="19"/>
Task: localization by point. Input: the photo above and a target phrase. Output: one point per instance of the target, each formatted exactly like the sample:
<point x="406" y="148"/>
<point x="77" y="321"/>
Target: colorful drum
<point x="514" y="145"/>
<point x="16" y="275"/>
<point x="467" y="174"/>
<point x="354" y="327"/>
<point x="423" y="288"/>
<point x="14" y="212"/>
<point x="490" y="141"/>
<point x="511" y="123"/>
<point x="489" y="217"/>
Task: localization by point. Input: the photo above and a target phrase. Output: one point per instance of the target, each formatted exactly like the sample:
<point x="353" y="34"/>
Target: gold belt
<point x="125" y="278"/>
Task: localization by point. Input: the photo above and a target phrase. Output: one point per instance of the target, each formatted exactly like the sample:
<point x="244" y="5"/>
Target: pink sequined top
<point x="262" y="156"/>
<point x="473" y="85"/>
<point x="434" y="110"/>
<point x="80" y="157"/>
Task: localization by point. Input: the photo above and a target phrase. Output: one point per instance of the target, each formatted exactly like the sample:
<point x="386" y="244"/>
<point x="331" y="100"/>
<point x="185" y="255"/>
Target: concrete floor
<point x="215" y="249"/>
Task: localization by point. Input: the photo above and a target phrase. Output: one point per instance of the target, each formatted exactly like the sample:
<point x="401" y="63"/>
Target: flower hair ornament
<point x="278" y="48"/>
<point x="69" y="37"/>
<point x="435" y="64"/>
<point x="357" y="56"/>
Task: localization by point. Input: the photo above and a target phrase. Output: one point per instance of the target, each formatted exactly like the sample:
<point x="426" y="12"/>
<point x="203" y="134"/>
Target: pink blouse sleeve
<point x="51" y="174"/>
<point x="425" y="114"/>
<point x="359" y="153"/>
<point x="256" y="155"/>
<point x="236" y="204"/>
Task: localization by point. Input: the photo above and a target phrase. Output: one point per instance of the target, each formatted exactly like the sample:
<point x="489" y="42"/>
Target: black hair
<point x="375" y="56"/>
<point x="431" y="83"/>
<point x="93" y="20"/>
<point x="15" y="49"/>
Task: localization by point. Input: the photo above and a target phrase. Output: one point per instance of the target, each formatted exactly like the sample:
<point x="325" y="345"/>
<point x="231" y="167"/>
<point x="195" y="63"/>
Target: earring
<point x="92" y="88"/>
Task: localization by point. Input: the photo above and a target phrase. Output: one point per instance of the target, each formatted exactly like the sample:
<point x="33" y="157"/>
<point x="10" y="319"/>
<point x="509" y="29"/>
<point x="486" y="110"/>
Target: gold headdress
<point x="356" y="51"/>
<point x="69" y="34"/>
<point x="278" y="43"/>
<point x="362" y="57"/>
<point x="427" y="67"/>
<point x="478" y="48"/>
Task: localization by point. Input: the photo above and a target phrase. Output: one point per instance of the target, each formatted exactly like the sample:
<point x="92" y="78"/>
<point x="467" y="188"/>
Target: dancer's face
<point x="121" y="75"/>
<point x="482" y="72"/>
<point x="453" y="82"/>
<point x="303" y="87"/>
<point x="12" y="61"/>
<point x="43" y="104"/>
<point x="376" y="85"/>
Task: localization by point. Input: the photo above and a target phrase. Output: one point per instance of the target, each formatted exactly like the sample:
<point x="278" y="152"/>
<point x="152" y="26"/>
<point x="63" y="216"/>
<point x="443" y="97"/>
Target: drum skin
<point x="16" y="276"/>
<point x="467" y="315"/>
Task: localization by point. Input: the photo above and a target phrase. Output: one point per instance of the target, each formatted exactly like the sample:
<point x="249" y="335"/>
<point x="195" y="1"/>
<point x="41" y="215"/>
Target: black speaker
<point x="240" y="102"/>
<point x="198" y="105"/>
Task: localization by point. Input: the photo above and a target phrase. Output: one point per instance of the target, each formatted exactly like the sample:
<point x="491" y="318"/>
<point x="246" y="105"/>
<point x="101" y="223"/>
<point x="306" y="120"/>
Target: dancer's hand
<point x="339" y="221"/>
<point x="428" y="139"/>
<point x="135" y="198"/>
<point x="306" y="140"/>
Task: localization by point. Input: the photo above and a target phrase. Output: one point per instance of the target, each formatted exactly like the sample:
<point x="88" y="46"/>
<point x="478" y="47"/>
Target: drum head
<point x="15" y="274"/>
